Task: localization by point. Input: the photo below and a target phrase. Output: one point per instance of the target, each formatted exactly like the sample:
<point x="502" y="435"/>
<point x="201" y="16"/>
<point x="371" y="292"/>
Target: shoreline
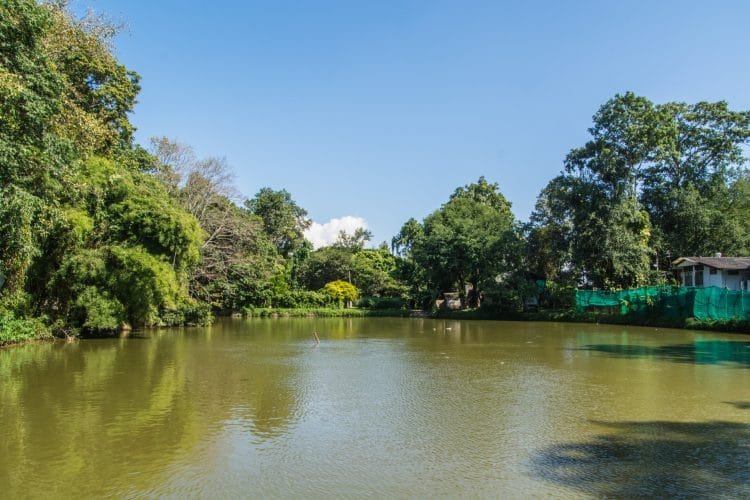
<point x="691" y="324"/>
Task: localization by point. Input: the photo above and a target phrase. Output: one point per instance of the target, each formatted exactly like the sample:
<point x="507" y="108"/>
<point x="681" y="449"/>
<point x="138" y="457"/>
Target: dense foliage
<point x="655" y="182"/>
<point x="88" y="238"/>
<point x="97" y="233"/>
<point x="473" y="239"/>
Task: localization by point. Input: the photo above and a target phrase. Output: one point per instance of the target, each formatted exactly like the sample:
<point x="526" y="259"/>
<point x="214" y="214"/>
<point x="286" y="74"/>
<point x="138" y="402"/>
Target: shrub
<point x="302" y="299"/>
<point x="558" y="295"/>
<point x="341" y="291"/>
<point x="98" y="311"/>
<point x="188" y="314"/>
<point x="381" y="303"/>
<point x="14" y="330"/>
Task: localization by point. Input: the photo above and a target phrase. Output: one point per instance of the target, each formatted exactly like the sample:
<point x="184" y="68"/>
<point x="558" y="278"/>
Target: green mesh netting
<point x="676" y="302"/>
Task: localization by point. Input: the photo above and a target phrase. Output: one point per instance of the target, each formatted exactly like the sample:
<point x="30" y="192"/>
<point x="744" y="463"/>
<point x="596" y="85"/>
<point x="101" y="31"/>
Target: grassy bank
<point x="728" y="326"/>
<point x="323" y="312"/>
<point x="15" y="331"/>
<point x="733" y="326"/>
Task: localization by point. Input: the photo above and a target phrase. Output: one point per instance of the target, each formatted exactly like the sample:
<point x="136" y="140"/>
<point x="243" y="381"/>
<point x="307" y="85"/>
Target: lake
<point x="381" y="407"/>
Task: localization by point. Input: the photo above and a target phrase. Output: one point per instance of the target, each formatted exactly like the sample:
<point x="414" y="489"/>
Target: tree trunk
<point x="475" y="302"/>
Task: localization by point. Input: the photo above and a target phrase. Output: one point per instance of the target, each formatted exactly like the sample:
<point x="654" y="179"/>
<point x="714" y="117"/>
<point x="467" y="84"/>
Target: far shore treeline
<point x="98" y="233"/>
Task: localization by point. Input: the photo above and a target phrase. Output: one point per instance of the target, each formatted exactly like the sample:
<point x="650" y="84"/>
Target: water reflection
<point x="380" y="407"/>
<point x="74" y="409"/>
<point x="108" y="408"/>
<point x="660" y="459"/>
<point x="699" y="352"/>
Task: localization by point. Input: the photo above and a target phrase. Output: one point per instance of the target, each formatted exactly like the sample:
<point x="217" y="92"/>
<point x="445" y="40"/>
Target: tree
<point x="83" y="225"/>
<point x="325" y="265"/>
<point x="688" y="184"/>
<point x="355" y="241"/>
<point x="238" y="260"/>
<point x="653" y="179"/>
<point x="127" y="235"/>
<point x="375" y="273"/>
<point x="174" y="161"/>
<point x="549" y="232"/>
<point x="610" y="229"/>
<point x="342" y="292"/>
<point x="283" y="220"/>
<point x="411" y="232"/>
<point x="473" y="238"/>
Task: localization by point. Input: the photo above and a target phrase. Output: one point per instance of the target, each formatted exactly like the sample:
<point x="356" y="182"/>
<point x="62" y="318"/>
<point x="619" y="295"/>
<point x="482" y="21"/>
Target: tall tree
<point x="238" y="261"/>
<point x="654" y="179"/>
<point x="549" y="232"/>
<point x="284" y="221"/>
<point x="470" y="239"/>
<point x="689" y="182"/>
<point x="611" y="230"/>
<point x="324" y="265"/>
<point x="82" y="225"/>
<point x="355" y="241"/>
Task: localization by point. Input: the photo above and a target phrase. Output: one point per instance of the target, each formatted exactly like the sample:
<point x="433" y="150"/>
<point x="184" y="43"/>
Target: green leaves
<point x="653" y="179"/>
<point x="18" y="212"/>
<point x="105" y="287"/>
<point x="283" y="220"/>
<point x="470" y="239"/>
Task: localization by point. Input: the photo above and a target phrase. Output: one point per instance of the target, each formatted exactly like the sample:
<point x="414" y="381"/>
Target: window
<point x="733" y="272"/>
<point x="699" y="268"/>
<point x="711" y="270"/>
<point x="698" y="278"/>
<point x="687" y="278"/>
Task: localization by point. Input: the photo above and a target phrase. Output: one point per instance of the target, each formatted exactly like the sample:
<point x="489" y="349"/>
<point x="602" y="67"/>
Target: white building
<point x="732" y="273"/>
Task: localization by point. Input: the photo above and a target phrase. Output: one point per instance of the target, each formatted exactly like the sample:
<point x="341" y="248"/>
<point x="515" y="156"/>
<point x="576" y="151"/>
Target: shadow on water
<point x="703" y="352"/>
<point x="740" y="405"/>
<point x="653" y="459"/>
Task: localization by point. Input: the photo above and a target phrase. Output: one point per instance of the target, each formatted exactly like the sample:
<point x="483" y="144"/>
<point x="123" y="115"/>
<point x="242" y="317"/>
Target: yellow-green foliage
<point x="79" y="223"/>
<point x="97" y="175"/>
<point x="17" y="211"/>
<point x="341" y="291"/>
<point x="136" y="208"/>
<point x="99" y="91"/>
<point x="100" y="311"/>
<point x="148" y="216"/>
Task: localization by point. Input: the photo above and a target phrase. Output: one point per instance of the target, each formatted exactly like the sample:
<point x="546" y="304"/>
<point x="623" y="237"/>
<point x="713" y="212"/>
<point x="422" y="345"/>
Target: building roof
<point x="729" y="263"/>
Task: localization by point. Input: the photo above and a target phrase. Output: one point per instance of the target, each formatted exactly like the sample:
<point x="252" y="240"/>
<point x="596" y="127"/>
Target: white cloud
<point x="321" y="235"/>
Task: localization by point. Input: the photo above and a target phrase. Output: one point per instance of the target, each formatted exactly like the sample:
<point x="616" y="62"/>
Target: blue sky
<point x="380" y="109"/>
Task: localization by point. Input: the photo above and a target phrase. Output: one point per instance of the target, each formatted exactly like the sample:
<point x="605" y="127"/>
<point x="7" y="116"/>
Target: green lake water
<point x="379" y="408"/>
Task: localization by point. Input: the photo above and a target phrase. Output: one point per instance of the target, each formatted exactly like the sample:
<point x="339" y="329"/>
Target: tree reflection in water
<point x="703" y="352"/>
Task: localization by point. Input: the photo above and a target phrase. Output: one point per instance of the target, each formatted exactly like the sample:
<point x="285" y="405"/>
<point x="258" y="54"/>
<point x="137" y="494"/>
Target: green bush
<point x="321" y="312"/>
<point x="303" y="299"/>
<point x="729" y="325"/>
<point x="97" y="311"/>
<point x="14" y="330"/>
<point x="558" y="295"/>
<point x="188" y="314"/>
<point x="381" y="303"/>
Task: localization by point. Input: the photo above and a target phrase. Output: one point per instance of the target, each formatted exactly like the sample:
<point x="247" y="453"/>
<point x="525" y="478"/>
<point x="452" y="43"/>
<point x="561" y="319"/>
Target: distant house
<point x="449" y="300"/>
<point x="732" y="273"/>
